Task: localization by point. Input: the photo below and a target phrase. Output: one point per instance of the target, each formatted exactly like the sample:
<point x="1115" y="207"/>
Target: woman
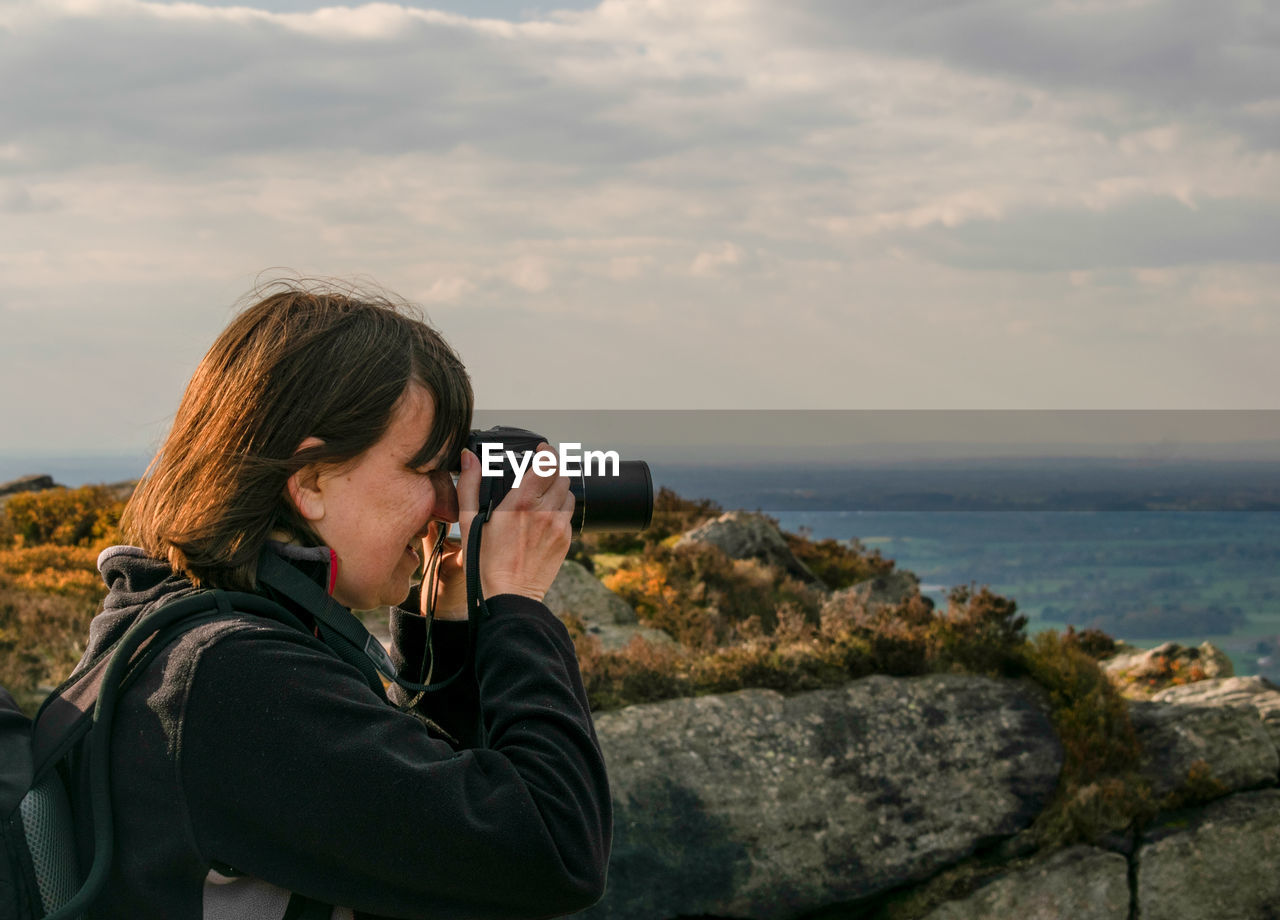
<point x="252" y="767"/>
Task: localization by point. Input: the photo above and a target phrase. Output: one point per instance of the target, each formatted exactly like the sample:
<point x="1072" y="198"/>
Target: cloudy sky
<point x="652" y="204"/>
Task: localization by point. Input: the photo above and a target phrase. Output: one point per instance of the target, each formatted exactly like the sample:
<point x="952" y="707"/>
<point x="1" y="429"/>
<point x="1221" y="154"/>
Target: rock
<point x="1256" y="692"/>
<point x="1213" y="863"/>
<point x="576" y="592"/>
<point x="28" y="484"/>
<point x="616" y="638"/>
<point x="742" y="535"/>
<point x="1142" y="673"/>
<point x="1232" y="743"/>
<point x="756" y="805"/>
<point x="1225" y="691"/>
<point x="882" y="591"/>
<point x="1082" y="883"/>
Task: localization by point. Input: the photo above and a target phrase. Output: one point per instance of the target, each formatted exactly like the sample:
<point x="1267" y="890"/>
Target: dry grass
<point x="42" y="637"/>
<point x="49" y="583"/>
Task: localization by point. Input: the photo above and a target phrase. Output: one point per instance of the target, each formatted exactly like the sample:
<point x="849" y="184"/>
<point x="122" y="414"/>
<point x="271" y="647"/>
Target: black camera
<point x="610" y="494"/>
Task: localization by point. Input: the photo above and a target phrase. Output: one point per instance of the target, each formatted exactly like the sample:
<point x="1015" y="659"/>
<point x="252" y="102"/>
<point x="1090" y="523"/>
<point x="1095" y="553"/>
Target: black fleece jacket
<point x="249" y="762"/>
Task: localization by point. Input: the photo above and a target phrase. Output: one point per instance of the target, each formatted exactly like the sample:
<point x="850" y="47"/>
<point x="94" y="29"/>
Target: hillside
<point x="723" y="602"/>
<point x="776" y="648"/>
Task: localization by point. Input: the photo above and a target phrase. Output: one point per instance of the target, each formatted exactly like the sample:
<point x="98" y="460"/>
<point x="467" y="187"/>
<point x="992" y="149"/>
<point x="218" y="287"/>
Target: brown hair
<point x="304" y="360"/>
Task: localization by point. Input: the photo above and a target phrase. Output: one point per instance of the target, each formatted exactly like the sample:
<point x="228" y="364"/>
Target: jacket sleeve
<point x="296" y="773"/>
<point x="455" y="708"/>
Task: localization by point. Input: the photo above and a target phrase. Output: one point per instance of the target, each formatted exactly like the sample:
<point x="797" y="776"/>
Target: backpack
<point x="69" y="741"/>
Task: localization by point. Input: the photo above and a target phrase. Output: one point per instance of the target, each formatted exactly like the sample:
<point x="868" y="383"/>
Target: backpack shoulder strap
<point x="86" y="709"/>
<point x="68" y="713"/>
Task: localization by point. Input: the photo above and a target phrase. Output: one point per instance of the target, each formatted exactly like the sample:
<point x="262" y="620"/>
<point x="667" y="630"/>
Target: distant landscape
<point x="1146" y="577"/>
<point x="1144" y="551"/>
<point x="1031" y="484"/>
<point x="1148" y="553"/>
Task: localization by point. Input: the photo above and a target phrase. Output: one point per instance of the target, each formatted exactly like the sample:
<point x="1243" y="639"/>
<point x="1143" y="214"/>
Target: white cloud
<point x="859" y="188"/>
<point x="711" y="262"/>
<point x="529" y="274"/>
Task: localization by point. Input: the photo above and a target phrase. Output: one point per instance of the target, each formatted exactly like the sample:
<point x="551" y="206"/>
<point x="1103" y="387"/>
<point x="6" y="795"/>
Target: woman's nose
<point x="446" y="507"/>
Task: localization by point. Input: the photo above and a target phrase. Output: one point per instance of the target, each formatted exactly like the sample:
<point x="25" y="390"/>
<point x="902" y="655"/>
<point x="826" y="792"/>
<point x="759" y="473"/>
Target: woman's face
<point x="373" y="513"/>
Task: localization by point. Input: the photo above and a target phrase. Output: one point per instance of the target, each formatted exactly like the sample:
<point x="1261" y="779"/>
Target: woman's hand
<point x="525" y="539"/>
<point x="451" y="577"/>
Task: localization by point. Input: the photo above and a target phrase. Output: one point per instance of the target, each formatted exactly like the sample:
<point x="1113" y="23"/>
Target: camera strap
<point x="338" y="627"/>
<point x="476" y="606"/>
<point x="342" y="630"/>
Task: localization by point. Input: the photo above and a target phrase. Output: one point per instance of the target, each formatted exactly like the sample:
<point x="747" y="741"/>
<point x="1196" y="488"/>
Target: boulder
<point x="36" y="483"/>
<point x="616" y="638"/>
<point x="576" y="592"/>
<point x="1082" y="883"/>
<point x="1255" y="692"/>
<point x="756" y="805"/>
<point x="1212" y="863"/>
<point x="743" y="535"/>
<point x="1140" y="673"/>
<point x="882" y="591"/>
<point x="1231" y="742"/>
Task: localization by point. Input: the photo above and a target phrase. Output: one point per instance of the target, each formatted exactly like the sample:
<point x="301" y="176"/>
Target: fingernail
<point x="468" y="459"/>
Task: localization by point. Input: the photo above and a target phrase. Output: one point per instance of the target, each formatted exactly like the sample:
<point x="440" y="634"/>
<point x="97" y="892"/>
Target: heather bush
<point x="774" y="642"/>
<point x="1101" y="789"/>
<point x="981" y="633"/>
<point x="88" y="516"/>
<point x="1093" y="642"/>
<point x="643" y="672"/>
<point x="49" y="583"/>
<point x="60" y="622"/>
<point x="838" y="565"/>
<point x="48" y="595"/>
<point x="65" y="571"/>
<point x="703" y="598"/>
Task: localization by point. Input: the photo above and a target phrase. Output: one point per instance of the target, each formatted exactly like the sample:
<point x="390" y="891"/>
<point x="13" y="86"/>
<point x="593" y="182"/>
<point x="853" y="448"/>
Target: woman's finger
<point x="468" y="492"/>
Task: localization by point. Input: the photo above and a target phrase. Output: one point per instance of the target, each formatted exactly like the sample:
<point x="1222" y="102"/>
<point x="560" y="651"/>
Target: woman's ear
<point x="304" y="486"/>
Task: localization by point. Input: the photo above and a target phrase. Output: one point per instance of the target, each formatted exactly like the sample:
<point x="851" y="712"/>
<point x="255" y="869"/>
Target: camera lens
<point x="605" y="503"/>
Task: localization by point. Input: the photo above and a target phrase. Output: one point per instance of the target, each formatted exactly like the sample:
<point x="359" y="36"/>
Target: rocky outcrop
<point x="757" y="805"/>
<point x="1225" y="745"/>
<point x="1214" y="862"/>
<point x="28" y="484"/>
<point x="1082" y="883"/>
<point x="1141" y="673"/>
<point x="867" y="596"/>
<point x="1256" y="693"/>
<point x="742" y="535"/>
<point x="578" y="593"/>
